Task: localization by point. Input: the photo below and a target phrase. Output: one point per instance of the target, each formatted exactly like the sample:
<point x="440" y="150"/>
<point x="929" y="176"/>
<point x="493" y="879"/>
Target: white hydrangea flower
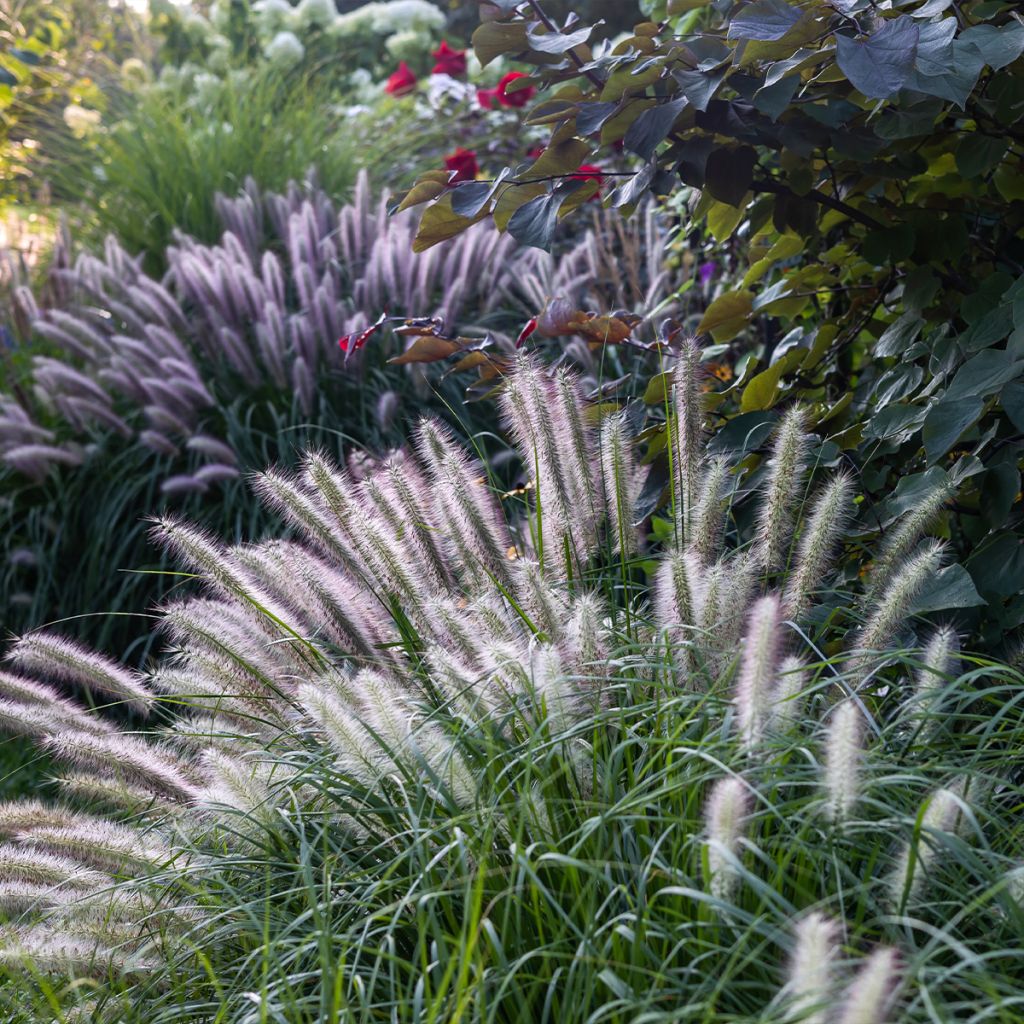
<point x="273" y="15"/>
<point x="80" y="119"/>
<point x="284" y="49"/>
<point x="407" y="45"/>
<point x="315" y="13"/>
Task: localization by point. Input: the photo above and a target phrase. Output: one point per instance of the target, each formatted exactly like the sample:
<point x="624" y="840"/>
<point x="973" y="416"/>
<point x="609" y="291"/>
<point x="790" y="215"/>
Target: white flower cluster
<point x="387" y="31"/>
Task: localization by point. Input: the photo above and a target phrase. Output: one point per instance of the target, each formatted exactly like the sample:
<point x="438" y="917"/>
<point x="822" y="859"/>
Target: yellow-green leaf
<point x="495" y="38"/>
<point x="727" y="315"/>
<point x="439" y="223"/>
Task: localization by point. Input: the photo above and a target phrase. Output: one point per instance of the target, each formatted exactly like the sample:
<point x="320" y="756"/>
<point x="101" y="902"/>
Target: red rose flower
<point x="487" y="98"/>
<point x="518" y="98"/>
<point x="463" y="163"/>
<point x="588" y="172"/>
<point x="403" y="81"/>
<point x="449" y="61"/>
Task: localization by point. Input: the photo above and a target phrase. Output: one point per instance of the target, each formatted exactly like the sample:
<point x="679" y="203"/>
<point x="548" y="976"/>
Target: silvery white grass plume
<point x="943" y="815"/>
<point x="759" y="666"/>
<point x="889" y="610"/>
<point x="870" y="997"/>
<point x="901" y="538"/>
<point x="938" y="662"/>
<point x="587" y="635"/>
<point x="679" y="596"/>
<point x="64" y="661"/>
<point x="686" y="436"/>
<point x="843" y="755"/>
<point x="528" y="405"/>
<point x="830" y="511"/>
<point x="465" y="512"/>
<point x="725" y="815"/>
<point x="139" y="762"/>
<point x="621" y="484"/>
<point x="783" y="489"/>
<point x="787" y="698"/>
<point x="708" y="519"/>
<point x="810" y="984"/>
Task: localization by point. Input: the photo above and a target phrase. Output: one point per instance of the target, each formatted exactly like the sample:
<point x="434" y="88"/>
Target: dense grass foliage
<point x="140" y="394"/>
<point x="440" y="761"/>
<point x="157" y="167"/>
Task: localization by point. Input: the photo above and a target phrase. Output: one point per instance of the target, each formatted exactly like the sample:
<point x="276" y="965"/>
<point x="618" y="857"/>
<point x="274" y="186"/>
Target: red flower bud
<point x="487" y="98"/>
<point x="403" y="81"/>
<point x="449" y="61"/>
<point x="463" y="163"/>
<point x="518" y="98"/>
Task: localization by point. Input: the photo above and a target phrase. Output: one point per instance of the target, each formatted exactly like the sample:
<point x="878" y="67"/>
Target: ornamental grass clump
<point x="444" y="753"/>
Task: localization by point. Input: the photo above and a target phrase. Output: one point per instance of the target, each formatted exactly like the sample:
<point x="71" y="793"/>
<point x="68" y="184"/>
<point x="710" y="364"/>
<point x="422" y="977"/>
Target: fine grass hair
<point x="445" y="755"/>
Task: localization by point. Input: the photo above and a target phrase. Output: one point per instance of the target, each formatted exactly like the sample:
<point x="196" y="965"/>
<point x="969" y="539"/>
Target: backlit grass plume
<point x="440" y="745"/>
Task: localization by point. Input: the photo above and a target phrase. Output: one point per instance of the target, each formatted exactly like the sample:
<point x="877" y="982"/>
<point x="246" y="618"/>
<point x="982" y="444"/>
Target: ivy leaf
<point x="880" y="65"/>
<point x="649" y="130"/>
<point x="763" y="19"/>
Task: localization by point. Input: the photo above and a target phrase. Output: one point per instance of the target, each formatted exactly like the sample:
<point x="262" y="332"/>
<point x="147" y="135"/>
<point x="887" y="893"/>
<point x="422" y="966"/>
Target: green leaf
<point x="881" y="64"/>
<point x="996" y="46"/>
<point x="439" y="223"/>
<point x="700" y="86"/>
<point x="649" y="130"/>
<point x="557" y="42"/>
<point x="978" y="154"/>
<point x="742" y="433"/>
<point x="1012" y="398"/>
<point x="774" y="99"/>
<point x="984" y="373"/>
<point x="951" y="587"/>
<point x="729" y="172"/>
<point x="727" y="315"/>
<point x="494" y="39"/>
<point x="763" y="391"/>
<point x="899" y="335"/>
<point x="946" y="421"/>
<point x="763" y="19"/>
<point x="534" y="222"/>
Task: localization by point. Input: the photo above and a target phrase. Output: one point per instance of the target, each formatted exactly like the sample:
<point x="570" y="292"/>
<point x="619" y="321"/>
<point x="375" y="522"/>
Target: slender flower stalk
<point x="895" y="601"/>
<point x="870" y="997"/>
<point x="708" y="519"/>
<point x="788" y="695"/>
<point x="942" y="815"/>
<point x="758" y="670"/>
<point x="726" y="813"/>
<point x="811" y="981"/>
<point x="620" y="484"/>
<point x="830" y="512"/>
<point x="783" y="490"/>
<point x="841" y="778"/>
<point x="686" y="437"/>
